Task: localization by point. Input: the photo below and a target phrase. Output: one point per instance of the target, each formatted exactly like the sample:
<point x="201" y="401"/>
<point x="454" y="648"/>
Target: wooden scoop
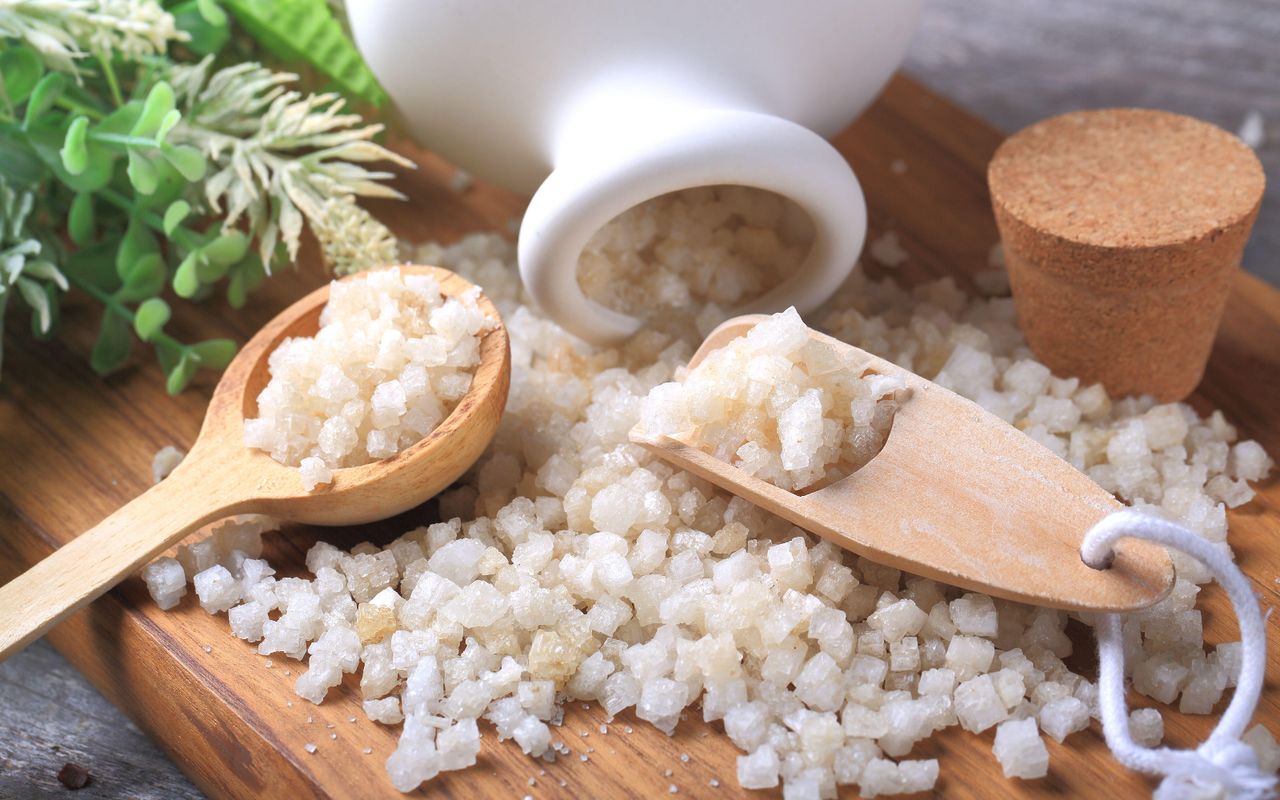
<point x="221" y="477"/>
<point x="957" y="495"/>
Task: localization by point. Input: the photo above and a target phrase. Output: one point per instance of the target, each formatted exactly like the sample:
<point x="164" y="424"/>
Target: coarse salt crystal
<point x="165" y="461"/>
<point x="1020" y="750"/>
<point x="166" y="581"/>
<point x="887" y="250"/>
<point x="1146" y="726"/>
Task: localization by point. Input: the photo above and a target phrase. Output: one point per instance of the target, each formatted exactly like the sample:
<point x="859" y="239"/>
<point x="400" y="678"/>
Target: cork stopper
<point x="1122" y="231"/>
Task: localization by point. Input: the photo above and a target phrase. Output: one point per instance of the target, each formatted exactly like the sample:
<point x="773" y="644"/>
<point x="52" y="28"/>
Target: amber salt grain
<point x="1122" y="232"/>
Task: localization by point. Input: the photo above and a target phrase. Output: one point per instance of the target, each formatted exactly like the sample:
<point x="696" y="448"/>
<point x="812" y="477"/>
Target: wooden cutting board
<point x="73" y="447"/>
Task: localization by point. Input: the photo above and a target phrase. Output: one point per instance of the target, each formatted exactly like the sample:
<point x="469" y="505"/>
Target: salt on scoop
<point x="778" y="405"/>
<point x="391" y="359"/>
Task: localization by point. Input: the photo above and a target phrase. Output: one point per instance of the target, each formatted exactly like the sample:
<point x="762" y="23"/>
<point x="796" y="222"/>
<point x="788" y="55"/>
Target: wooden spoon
<point x="957" y="495"/>
<point x="221" y="477"/>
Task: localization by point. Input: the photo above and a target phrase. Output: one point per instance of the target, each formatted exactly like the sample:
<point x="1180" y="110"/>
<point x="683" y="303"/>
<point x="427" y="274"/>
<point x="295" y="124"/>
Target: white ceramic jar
<point x="595" y="106"/>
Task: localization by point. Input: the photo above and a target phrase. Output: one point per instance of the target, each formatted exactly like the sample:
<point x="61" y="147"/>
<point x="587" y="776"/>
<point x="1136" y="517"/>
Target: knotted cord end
<point x="1227" y="769"/>
<point x="1223" y="766"/>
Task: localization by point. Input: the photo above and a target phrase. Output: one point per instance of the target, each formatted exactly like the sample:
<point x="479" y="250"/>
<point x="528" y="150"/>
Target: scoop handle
<point x="83" y="569"/>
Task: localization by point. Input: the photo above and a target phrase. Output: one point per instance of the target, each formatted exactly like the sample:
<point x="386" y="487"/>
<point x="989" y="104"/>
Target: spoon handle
<point x="86" y="567"/>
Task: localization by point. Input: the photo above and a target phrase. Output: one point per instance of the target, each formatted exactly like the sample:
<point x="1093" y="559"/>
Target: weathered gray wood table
<point x="1012" y="63"/>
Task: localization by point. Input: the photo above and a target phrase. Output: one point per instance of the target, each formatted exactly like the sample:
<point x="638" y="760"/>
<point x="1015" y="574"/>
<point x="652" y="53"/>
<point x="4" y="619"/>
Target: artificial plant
<point x="149" y="159"/>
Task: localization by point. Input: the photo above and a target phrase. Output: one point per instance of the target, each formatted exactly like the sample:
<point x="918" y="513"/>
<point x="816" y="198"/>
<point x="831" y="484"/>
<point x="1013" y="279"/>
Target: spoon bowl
<point x="379" y="489"/>
<point x="221" y="476"/>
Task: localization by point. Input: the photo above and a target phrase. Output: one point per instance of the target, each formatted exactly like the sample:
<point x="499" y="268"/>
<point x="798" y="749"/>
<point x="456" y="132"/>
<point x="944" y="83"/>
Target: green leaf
<point x="186" y="282"/>
<point x="186" y="159"/>
<point x="166" y="125"/>
<point x="227" y="249"/>
<point x="206" y="36"/>
<point x="46" y="143"/>
<point x="102" y="159"/>
<point x="169" y="187"/>
<point x="43" y="96"/>
<point x="122" y="120"/>
<point x="111" y="350"/>
<point x="219" y="255"/>
<point x="19" y="162"/>
<point x="80" y="219"/>
<point x="237" y="292"/>
<point x="245" y="277"/>
<point x="168" y="354"/>
<point x="35" y="296"/>
<point x="155" y="108"/>
<point x="214" y="353"/>
<point x="208" y="271"/>
<point x="145" y="279"/>
<point x="20" y="69"/>
<point x="150" y="318"/>
<point x="255" y="273"/>
<point x="75" y="149"/>
<point x="180" y="376"/>
<point x="95" y="265"/>
<point x="307" y="31"/>
<point x="138" y="241"/>
<point x="212" y="13"/>
<point x="142" y="173"/>
<point x="174" y="215"/>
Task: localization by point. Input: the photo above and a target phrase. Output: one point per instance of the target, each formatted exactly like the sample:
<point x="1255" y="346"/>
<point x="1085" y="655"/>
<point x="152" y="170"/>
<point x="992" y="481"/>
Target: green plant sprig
<point x="181" y="361"/>
<point x="127" y="174"/>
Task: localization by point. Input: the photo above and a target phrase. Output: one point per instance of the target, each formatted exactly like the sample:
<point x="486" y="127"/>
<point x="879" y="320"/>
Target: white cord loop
<point x="1223" y="764"/>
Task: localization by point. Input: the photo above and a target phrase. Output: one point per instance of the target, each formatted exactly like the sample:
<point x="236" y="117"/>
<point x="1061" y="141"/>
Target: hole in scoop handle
<point x="86" y="567"/>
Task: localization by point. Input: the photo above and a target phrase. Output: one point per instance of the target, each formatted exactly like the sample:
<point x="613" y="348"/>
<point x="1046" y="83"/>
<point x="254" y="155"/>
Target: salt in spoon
<point x="956" y="494"/>
<point x="221" y="476"/>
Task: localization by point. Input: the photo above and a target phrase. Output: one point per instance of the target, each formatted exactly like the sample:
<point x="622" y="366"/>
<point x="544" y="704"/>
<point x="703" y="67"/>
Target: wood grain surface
<point x="76" y="447"/>
<point x="1012" y="63"/>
